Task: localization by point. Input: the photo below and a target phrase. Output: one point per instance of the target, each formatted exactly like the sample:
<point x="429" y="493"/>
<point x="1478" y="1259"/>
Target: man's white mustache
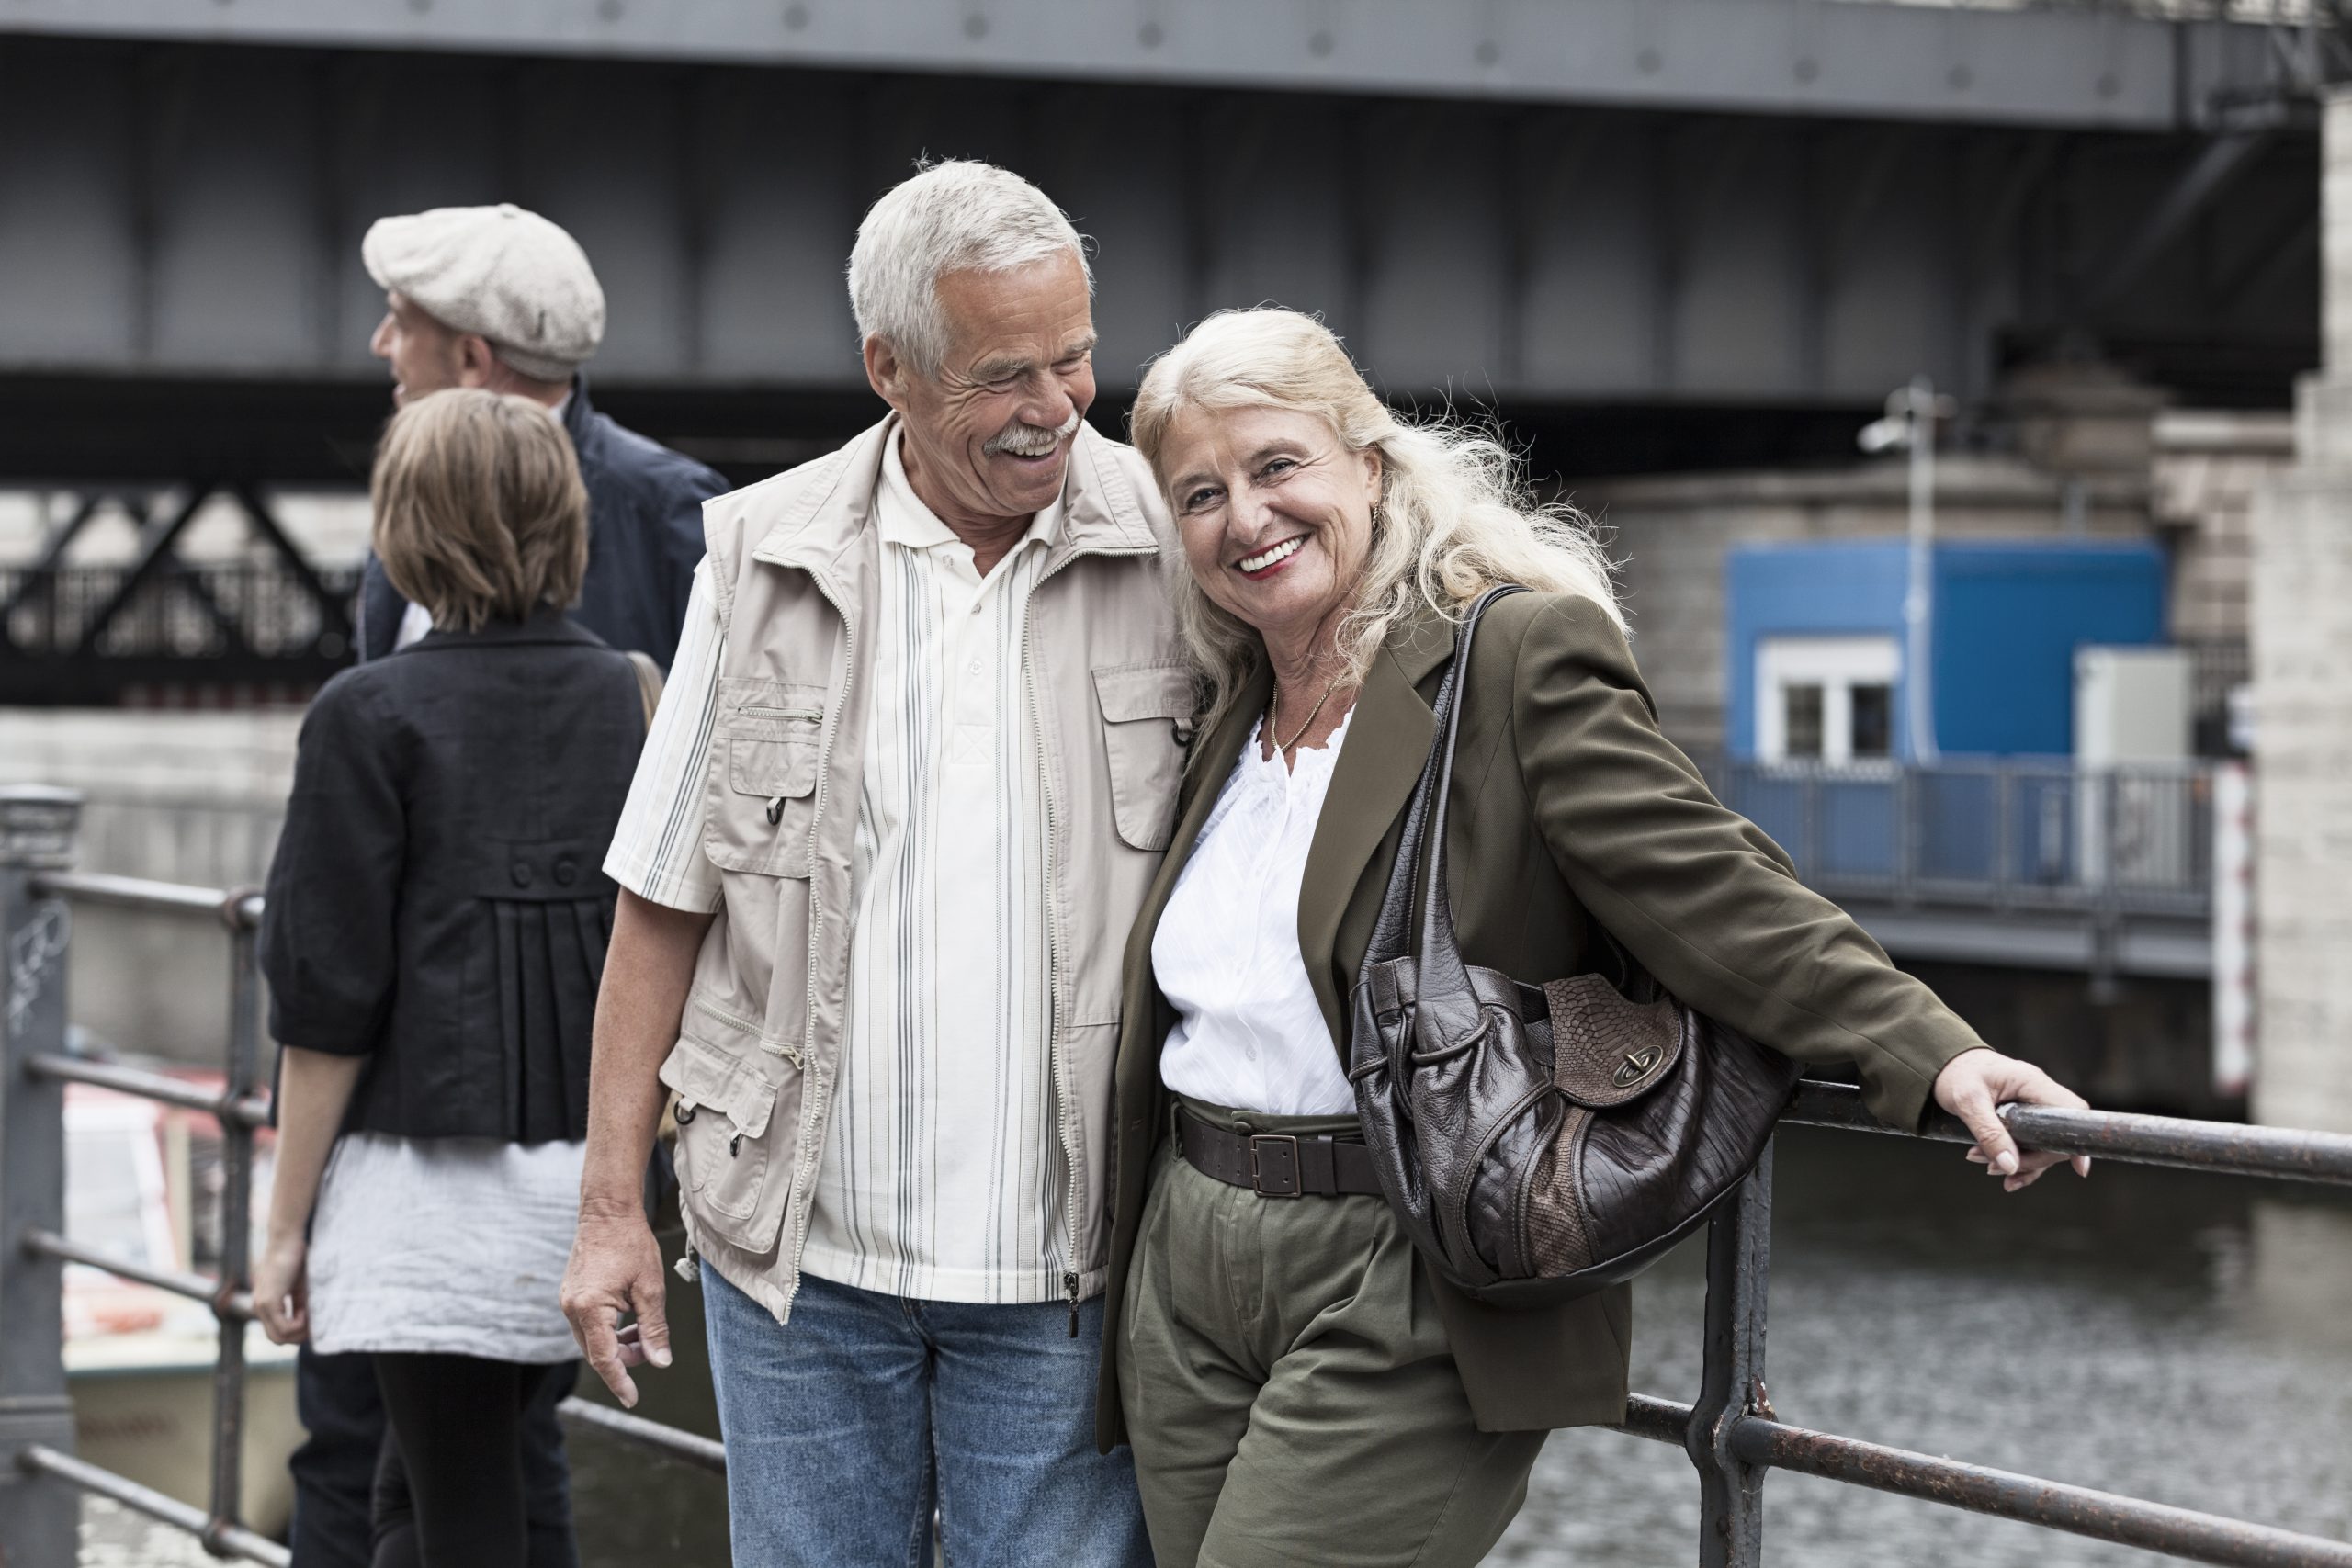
<point x="1030" y="440"/>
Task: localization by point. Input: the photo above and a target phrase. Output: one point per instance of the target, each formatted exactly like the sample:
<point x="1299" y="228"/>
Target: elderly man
<point x="499" y="298"/>
<point x="914" y="768"/>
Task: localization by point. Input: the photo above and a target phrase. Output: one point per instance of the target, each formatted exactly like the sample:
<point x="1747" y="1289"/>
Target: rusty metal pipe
<point x="236" y="1223"/>
<point x="237" y="1304"/>
<point x="1659" y="1420"/>
<point x="684" y="1447"/>
<point x="245" y="1110"/>
<point x="2102" y="1515"/>
<point x="221" y="1538"/>
<point x="241" y="908"/>
<point x="2224" y="1147"/>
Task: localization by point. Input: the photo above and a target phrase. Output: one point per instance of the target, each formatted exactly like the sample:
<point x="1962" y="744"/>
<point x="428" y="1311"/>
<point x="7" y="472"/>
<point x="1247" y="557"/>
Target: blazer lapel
<point x="1388" y="739"/>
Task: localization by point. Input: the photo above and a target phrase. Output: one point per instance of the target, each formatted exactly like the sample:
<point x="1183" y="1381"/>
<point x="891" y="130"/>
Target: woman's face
<point x="1275" y="514"/>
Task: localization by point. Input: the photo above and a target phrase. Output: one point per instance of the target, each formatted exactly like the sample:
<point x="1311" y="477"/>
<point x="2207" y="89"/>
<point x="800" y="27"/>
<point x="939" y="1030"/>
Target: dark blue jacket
<point x="644" y="537"/>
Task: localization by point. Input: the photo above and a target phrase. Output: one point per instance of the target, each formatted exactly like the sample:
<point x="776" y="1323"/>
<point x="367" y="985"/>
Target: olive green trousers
<point x="1288" y="1389"/>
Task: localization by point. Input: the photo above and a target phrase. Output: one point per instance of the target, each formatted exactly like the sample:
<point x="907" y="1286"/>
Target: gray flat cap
<point x="511" y="276"/>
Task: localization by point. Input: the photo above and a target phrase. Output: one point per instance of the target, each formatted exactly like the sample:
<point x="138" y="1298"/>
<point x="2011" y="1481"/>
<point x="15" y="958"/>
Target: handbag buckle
<point x="1273" y="1156"/>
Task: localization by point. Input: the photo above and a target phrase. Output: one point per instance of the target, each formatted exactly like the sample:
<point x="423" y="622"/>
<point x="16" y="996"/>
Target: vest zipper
<point x="816" y="1096"/>
<point x="1054" y="1070"/>
<point x="752" y="710"/>
<point x="1055" y="1074"/>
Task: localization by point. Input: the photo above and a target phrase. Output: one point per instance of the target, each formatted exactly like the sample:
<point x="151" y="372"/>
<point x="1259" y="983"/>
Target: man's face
<point x="988" y="436"/>
<point x="426" y="356"/>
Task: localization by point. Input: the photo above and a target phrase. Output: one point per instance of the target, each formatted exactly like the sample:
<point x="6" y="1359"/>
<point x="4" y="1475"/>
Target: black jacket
<point x="438" y="902"/>
<point x="644" y="537"/>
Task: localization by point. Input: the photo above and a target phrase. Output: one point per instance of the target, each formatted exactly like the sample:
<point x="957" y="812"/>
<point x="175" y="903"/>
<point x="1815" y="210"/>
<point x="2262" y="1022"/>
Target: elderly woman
<point x="434" y="934"/>
<point x="1296" y="1385"/>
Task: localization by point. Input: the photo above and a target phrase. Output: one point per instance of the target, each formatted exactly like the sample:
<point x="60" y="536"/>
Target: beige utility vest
<point x="795" y="561"/>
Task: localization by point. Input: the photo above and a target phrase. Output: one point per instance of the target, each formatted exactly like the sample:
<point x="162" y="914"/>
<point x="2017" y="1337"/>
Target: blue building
<point x="1814" y="643"/>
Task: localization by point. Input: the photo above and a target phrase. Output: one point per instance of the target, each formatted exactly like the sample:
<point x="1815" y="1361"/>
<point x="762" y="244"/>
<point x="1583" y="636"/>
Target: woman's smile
<point x="1270" y="560"/>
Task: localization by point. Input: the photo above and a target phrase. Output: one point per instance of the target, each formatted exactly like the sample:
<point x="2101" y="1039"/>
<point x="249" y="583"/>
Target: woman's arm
<point x="313" y="1090"/>
<point x="328" y="950"/>
<point x="1713" y="909"/>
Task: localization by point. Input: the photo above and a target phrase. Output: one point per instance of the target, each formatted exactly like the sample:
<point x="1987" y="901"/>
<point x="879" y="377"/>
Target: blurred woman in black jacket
<point x="434" y="934"/>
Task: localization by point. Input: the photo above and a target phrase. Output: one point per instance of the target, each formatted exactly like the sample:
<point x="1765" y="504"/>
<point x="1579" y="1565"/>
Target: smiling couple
<point x="969" y="1070"/>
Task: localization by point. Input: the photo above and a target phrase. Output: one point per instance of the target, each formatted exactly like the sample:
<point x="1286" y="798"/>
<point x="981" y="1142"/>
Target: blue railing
<point x="2005" y="832"/>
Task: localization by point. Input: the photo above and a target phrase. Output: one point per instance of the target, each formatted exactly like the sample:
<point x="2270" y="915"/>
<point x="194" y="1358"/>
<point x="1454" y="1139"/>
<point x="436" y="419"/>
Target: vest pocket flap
<point x="1605" y="1050"/>
<point x="1132" y="692"/>
<point x="1146" y="722"/>
<point x="773" y="770"/>
<point x="709" y="1079"/>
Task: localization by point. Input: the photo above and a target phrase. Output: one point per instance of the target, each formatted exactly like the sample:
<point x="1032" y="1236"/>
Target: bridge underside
<point x="180" y="221"/>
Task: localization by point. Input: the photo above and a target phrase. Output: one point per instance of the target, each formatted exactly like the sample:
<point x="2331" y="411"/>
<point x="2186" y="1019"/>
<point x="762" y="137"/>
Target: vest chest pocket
<point x="1146" y="722"/>
<point x="766" y="742"/>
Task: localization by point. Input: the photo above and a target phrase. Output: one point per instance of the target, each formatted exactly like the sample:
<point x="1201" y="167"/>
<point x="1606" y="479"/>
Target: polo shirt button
<point x="522" y="872"/>
<point x="566" y="871"/>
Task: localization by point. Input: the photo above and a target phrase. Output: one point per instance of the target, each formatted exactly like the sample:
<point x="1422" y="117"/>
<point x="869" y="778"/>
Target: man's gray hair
<point x="956" y="216"/>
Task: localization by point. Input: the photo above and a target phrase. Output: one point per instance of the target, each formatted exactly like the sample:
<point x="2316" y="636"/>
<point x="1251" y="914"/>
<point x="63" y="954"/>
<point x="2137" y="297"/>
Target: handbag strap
<point x="1428" y="932"/>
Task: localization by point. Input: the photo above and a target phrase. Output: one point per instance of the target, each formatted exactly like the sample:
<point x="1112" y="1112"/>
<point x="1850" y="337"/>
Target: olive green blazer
<point x="1571" y="813"/>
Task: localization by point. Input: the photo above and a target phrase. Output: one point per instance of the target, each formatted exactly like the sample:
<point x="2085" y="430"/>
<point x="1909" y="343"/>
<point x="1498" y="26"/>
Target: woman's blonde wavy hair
<point x="1454" y="516"/>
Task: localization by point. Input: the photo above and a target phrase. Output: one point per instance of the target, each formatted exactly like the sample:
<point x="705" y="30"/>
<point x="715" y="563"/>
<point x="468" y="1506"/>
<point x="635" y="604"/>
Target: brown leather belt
<point x="1276" y="1165"/>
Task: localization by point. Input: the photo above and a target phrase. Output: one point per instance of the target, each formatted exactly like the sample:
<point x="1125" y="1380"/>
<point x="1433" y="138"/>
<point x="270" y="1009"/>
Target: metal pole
<point x="40" y="1515"/>
<point x="1731" y="1491"/>
<point x="236" y="1227"/>
<point x="1919" y="605"/>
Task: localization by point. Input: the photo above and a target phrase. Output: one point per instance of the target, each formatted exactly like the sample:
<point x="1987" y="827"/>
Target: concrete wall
<point x="2301" y="599"/>
<point x="2208" y="467"/>
<point x="192" y="797"/>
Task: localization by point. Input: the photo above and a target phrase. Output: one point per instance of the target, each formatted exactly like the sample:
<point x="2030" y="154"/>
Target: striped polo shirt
<point x="941" y="1174"/>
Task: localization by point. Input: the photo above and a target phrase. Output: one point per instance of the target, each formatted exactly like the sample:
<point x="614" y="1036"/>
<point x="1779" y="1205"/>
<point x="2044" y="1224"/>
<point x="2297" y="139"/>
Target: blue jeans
<point x="848" y="1426"/>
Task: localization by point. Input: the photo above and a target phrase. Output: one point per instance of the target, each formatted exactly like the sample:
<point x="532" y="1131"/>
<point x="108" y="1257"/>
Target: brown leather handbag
<point x="1538" y="1142"/>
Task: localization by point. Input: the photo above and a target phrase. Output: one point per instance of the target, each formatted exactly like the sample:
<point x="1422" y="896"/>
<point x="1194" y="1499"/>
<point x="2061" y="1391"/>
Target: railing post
<point x="40" y="1515"/>
<point x="1731" y="1492"/>
<point x="236" y="1221"/>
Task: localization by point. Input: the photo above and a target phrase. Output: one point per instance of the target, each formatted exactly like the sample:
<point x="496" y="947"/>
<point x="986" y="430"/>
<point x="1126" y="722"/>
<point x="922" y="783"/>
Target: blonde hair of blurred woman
<point x="480" y="512"/>
<point x="1454" y="517"/>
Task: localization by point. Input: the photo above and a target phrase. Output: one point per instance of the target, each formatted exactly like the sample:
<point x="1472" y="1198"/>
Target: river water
<point x="2170" y="1335"/>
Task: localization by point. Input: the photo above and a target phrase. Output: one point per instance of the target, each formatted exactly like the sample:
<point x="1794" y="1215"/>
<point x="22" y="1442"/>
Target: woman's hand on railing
<point x="616" y="1269"/>
<point x="1975" y="1085"/>
<point x="282" y="1289"/>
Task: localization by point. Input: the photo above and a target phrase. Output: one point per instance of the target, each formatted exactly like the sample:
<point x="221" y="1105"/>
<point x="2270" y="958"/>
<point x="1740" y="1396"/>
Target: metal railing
<point x="1731" y="1432"/>
<point x="2002" y="833"/>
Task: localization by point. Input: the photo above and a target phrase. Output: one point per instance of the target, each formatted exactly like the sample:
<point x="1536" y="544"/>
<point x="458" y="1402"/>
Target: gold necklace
<point x="1273" y="727"/>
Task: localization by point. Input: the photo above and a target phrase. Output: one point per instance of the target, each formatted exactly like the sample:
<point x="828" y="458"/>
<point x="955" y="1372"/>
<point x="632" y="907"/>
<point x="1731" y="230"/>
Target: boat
<point x="142" y="1180"/>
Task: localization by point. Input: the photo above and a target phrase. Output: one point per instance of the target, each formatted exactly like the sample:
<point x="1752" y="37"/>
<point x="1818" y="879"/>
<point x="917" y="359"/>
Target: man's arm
<point x="615" y="1264"/>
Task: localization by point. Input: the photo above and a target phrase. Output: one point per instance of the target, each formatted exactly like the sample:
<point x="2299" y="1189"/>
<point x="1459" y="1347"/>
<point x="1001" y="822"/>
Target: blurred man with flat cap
<point x="499" y="298"/>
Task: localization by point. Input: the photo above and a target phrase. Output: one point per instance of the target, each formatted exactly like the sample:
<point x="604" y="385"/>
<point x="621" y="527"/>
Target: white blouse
<point x="1249" y="1034"/>
<point x="448" y="1245"/>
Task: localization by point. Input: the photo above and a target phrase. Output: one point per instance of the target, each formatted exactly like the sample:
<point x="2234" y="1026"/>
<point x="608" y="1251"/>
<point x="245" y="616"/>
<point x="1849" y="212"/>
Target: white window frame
<point x="1836" y="665"/>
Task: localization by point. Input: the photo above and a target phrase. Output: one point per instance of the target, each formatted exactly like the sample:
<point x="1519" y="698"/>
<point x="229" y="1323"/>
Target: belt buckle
<point x="1289" y="1184"/>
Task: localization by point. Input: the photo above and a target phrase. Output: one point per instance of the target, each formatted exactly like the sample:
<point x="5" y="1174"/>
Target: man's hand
<point x="616" y="1269"/>
<point x="1975" y="1084"/>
